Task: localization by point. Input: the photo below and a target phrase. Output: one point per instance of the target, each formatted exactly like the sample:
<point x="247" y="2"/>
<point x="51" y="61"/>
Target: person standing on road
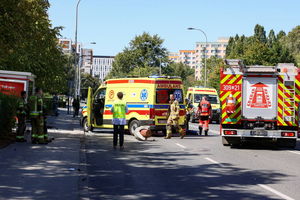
<point x="55" y="104"/>
<point x="119" y="110"/>
<point x="204" y="113"/>
<point x="37" y="117"/>
<point x="173" y="117"/>
<point x="76" y="106"/>
<point x="21" y="115"/>
<point x="189" y="110"/>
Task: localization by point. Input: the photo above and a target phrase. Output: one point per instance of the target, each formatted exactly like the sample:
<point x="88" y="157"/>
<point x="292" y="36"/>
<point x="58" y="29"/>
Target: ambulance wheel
<point x="86" y="128"/>
<point x="133" y="125"/>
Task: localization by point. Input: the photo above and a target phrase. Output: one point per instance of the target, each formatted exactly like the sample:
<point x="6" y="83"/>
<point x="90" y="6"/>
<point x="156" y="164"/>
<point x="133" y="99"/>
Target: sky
<point x="112" y="24"/>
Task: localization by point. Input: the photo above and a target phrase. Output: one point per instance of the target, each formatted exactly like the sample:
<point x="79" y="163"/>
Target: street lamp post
<point x="205" y="70"/>
<point x="77" y="70"/>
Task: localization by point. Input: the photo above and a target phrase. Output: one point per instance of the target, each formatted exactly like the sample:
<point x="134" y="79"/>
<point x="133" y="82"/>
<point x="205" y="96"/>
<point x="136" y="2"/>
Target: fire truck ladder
<point x="289" y="104"/>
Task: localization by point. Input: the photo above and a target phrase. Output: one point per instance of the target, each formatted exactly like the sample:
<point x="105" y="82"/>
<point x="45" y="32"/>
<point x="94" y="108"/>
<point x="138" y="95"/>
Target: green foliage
<point x="87" y="81"/>
<point x="29" y="43"/>
<point x="291" y="41"/>
<point x="259" y="49"/>
<point x="8" y="108"/>
<point x="213" y="65"/>
<point x="185" y="72"/>
<point x="145" y="52"/>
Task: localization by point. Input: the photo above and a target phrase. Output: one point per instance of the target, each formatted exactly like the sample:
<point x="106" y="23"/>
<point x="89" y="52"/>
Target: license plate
<point x="259" y="133"/>
<point x="162" y="121"/>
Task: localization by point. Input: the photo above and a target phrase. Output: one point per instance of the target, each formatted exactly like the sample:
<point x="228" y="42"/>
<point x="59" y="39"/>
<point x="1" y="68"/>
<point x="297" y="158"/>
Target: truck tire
<point x="133" y="125"/>
<point x="225" y="141"/>
<point x="86" y="128"/>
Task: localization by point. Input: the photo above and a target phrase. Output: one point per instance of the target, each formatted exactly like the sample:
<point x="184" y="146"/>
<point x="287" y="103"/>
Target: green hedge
<point x="8" y="105"/>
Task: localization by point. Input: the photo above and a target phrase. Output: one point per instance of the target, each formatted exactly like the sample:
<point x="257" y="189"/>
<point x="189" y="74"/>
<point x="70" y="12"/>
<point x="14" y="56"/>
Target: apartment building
<point x="102" y="65"/>
<point x="86" y="60"/>
<point x="195" y="58"/>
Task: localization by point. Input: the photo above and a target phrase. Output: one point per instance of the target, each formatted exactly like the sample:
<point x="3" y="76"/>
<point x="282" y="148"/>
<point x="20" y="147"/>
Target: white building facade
<point x="101" y="66"/>
<point x="195" y="58"/>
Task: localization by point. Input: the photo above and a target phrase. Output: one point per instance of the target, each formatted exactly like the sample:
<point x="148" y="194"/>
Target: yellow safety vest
<point x="119" y="109"/>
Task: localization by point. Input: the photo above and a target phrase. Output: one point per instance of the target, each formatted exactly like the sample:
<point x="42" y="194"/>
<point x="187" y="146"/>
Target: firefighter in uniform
<point x="21" y="115"/>
<point x="37" y="117"/>
<point x="204" y="113"/>
<point x="173" y="117"/>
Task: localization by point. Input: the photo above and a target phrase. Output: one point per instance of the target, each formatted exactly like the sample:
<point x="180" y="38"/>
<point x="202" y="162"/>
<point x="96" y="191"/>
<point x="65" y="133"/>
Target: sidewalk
<point x="31" y="171"/>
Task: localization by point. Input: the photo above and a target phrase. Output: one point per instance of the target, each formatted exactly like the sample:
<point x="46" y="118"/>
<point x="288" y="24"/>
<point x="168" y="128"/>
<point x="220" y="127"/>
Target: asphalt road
<point x="196" y="167"/>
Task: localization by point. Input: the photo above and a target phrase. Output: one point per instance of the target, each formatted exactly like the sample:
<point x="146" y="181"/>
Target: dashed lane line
<point x="283" y="196"/>
<point x="180" y="145"/>
<point x="295" y="152"/>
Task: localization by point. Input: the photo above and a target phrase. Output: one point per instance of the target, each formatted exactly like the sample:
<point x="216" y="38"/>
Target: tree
<point x="213" y="66"/>
<point x="260" y="33"/>
<point x="271" y="38"/>
<point x="291" y="41"/>
<point x="259" y="50"/>
<point x="29" y="43"/>
<point x="144" y="54"/>
<point x="87" y="81"/>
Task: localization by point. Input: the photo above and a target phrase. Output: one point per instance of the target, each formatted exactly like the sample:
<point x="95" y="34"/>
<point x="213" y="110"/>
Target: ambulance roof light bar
<point x="169" y="77"/>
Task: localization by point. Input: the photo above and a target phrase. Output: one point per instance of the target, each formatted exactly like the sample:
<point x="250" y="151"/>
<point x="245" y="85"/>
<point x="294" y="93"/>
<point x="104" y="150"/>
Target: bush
<point x="8" y="106"/>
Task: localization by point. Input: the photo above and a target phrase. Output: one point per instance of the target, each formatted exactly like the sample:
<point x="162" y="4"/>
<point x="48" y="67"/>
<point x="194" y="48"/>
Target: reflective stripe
<point x="19" y="137"/>
<point x="41" y="136"/>
<point x="35" y="113"/>
<point x="34" y="135"/>
<point x="119" y="109"/>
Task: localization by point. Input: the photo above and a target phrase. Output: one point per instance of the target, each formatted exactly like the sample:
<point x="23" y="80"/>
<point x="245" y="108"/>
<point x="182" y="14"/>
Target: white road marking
<point x="296" y="152"/>
<point x="283" y="196"/>
<point x="215" y="132"/>
<point x="180" y="145"/>
<point x="213" y="161"/>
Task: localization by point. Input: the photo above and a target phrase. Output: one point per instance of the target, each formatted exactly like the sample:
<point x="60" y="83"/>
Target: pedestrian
<point x="37" y="117"/>
<point x="76" y="106"/>
<point x="204" y="113"/>
<point x="119" y="110"/>
<point x="189" y="110"/>
<point x="173" y="118"/>
<point x="22" y="111"/>
<point x="55" y="104"/>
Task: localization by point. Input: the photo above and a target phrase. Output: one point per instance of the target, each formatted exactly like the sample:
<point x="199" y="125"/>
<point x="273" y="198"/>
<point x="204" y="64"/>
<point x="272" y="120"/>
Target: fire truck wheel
<point x="133" y="125"/>
<point x="225" y="142"/>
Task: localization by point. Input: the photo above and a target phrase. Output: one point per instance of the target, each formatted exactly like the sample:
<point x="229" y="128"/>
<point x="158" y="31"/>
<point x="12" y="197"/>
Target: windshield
<point x="213" y="99"/>
<point x="163" y="95"/>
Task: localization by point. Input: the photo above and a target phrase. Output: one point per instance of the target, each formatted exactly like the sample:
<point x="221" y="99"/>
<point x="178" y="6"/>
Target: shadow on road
<point x="144" y="174"/>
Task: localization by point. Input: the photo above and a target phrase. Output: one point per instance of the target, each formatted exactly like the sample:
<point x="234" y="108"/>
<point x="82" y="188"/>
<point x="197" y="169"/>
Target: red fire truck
<point x="266" y="103"/>
<point x="14" y="82"/>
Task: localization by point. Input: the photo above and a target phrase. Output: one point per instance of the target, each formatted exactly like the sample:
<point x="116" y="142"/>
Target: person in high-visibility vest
<point x="173" y="117"/>
<point x="21" y="115"/>
<point x="204" y="113"/>
<point x="37" y="118"/>
<point x="119" y="110"/>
